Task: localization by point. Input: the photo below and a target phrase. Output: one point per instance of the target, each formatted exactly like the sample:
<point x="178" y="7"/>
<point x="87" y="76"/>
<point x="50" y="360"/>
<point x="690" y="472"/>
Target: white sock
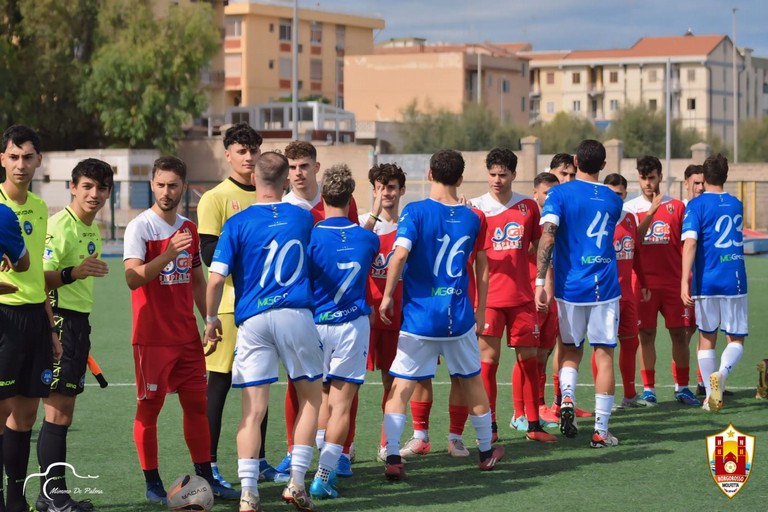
<point x="483" y="430"/>
<point x="320" y="439"/>
<point x="421" y="434"/>
<point x="393" y="429"/>
<point x="707" y="365"/>
<point x="729" y="359"/>
<point x="568" y="379"/>
<point x="248" y="471"/>
<point x="301" y="456"/>
<point x="603" y="406"/>
<point x="329" y="457"/>
<point x="453" y="437"/>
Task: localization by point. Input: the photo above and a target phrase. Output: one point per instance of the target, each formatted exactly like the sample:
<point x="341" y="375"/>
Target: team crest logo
<point x="46" y="377"/>
<point x="91" y="247"/>
<point x="670" y="208"/>
<point x="236" y="205"/>
<point x="730" y="454"/>
<point x="27" y="227"/>
<point x="523" y="208"/>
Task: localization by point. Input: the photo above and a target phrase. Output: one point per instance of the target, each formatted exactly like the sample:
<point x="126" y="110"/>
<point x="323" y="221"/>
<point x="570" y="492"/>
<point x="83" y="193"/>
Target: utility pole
<point x="295" y="72"/>
<point x="735" y="94"/>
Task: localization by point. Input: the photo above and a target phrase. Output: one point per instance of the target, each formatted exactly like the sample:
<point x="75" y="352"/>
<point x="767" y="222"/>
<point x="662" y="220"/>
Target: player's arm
<point x="20" y="265"/>
<point x="394" y="273"/>
<point x="482" y="276"/>
<point x="91" y="266"/>
<point x="207" y="248"/>
<point x="138" y="273"/>
<point x="543" y="262"/>
<point x="642" y="228"/>
<point x="376" y="209"/>
<point x="689" y="252"/>
<point x="213" y="293"/>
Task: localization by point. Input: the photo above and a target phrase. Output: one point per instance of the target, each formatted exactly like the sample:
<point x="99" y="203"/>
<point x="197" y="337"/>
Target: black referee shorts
<point x="26" y="353"/>
<point x="75" y="335"/>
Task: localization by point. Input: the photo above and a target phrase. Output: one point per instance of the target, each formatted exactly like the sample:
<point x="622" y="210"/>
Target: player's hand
<point x="645" y="294"/>
<point x="542" y="299"/>
<point x="58" y="351"/>
<point x="6" y="288"/>
<point x="5" y="264"/>
<point x="181" y="241"/>
<point x="91" y="266"/>
<point x="480" y="324"/>
<point x="378" y="192"/>
<point x="655" y="203"/>
<point x="212" y="336"/>
<point x="386" y="310"/>
<point x="685" y="294"/>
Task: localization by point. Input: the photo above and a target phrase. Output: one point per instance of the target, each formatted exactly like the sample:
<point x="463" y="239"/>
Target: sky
<point x="559" y="24"/>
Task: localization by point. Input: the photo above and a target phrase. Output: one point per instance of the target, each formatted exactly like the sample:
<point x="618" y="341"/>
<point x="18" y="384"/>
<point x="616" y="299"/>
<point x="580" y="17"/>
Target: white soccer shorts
<point x="727" y="313"/>
<point x="597" y="322"/>
<point x="416" y="357"/>
<point x="345" y="349"/>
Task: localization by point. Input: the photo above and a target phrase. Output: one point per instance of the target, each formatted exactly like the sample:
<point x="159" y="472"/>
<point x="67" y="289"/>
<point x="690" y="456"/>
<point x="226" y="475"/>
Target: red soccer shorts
<point x="382" y="349"/>
<point x="163" y="369"/>
<point x="519" y="322"/>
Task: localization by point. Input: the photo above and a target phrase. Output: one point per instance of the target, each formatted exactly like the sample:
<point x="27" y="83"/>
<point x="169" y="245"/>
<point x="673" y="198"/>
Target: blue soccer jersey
<point x="585" y="262"/>
<point x="11" y="241"/>
<point x="440" y="238"/>
<point x="715" y="221"/>
<point x="340" y="254"/>
<point x="264" y="249"/>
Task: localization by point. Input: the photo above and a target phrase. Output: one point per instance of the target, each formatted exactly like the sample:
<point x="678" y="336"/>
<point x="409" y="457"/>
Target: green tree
<point x="564" y="132"/>
<point x="143" y="84"/>
<point x="753" y="134"/>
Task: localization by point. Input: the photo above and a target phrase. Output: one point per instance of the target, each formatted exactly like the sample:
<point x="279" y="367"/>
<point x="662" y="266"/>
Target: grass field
<point x="661" y="463"/>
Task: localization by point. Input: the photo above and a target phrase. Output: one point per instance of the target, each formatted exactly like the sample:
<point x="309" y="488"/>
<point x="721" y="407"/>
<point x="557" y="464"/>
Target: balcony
<point x="596" y="90"/>
<point x="212" y="78"/>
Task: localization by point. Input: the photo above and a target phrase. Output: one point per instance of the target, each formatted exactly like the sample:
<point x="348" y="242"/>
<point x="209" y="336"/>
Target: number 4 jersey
<point x="715" y="221"/>
<point x="264" y="249"/>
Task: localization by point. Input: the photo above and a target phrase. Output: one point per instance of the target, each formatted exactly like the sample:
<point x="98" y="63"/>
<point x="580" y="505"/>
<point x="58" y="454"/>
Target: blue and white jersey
<point x="584" y="259"/>
<point x="340" y="255"/>
<point x="440" y="239"/>
<point x="264" y="249"/>
<point x="715" y="221"/>
<point x="11" y="241"/>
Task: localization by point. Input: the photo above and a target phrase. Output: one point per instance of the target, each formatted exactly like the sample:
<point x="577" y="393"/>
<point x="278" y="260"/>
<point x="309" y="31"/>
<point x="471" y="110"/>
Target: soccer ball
<point x="190" y="492"/>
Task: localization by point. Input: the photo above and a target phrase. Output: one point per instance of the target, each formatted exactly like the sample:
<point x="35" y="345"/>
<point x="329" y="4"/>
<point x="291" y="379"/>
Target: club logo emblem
<point x="730" y="454"/>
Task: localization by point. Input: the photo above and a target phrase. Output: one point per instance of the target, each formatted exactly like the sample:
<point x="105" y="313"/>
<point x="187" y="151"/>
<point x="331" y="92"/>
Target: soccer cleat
<point x="568" y="418"/>
<point x="156" y="492"/>
<point x="217" y="476"/>
<point x="649" y="397"/>
<point x="395" y="472"/>
<point x="762" y="380"/>
<point x="344" y="466"/>
<point x="581" y="413"/>
<point x="555" y="409"/>
<point x="603" y="441"/>
<point x="547" y="418"/>
<point x="541" y="436"/>
<point x="494" y="432"/>
<point x="456" y="448"/>
<point x="520" y="423"/>
<point x="684" y="396"/>
<point x="269" y="474"/>
<point x="715" y="399"/>
<point x="283" y="469"/>
<point x="381" y="454"/>
<point x="352" y="452"/>
<point x="630" y="403"/>
<point x="297" y="496"/>
<point x="701" y="390"/>
<point x="705" y="405"/>
<point x="415" y="446"/>
<point x="488" y="461"/>
<point x="250" y="502"/>
<point x="322" y="490"/>
<point x="43" y="504"/>
<point x="223" y="493"/>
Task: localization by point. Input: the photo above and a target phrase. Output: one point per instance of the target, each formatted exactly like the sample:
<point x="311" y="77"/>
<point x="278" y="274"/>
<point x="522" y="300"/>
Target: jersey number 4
<point x="598" y="233"/>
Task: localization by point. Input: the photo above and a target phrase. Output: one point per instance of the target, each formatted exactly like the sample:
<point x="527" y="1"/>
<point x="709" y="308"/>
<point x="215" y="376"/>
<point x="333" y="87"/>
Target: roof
<point x="499" y="49"/>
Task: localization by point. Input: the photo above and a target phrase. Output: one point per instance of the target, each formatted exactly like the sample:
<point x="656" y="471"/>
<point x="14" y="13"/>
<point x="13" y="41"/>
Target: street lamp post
<point x="735" y="94"/>
<point x="295" y="72"/>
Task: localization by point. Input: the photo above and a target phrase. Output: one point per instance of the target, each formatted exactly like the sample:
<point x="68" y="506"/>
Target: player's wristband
<point x="54" y="329"/>
<point x="540" y="281"/>
<point x="66" y="275"/>
<point x="375" y="218"/>
<point x="211" y="319"/>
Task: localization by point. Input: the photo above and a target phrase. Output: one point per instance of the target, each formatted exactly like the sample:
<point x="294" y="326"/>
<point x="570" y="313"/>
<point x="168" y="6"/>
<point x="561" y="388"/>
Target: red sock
<point x="628" y="365"/>
<point x="194" y="405"/>
<point x="682" y="376"/>
<point x="145" y="431"/>
<point x="488" y="374"/>
<point x="649" y="378"/>
<point x="383" y="401"/>
<point x="556" y="383"/>
<point x="291" y="412"/>
<point x="420" y="414"/>
<point x="674" y="372"/>
<point x="542" y="382"/>
<point x="352" y="425"/>
<point x="698" y="375"/>
<point x="594" y="367"/>
<point x="518" y="399"/>
<point x="458" y="415"/>
<point x="530" y="371"/>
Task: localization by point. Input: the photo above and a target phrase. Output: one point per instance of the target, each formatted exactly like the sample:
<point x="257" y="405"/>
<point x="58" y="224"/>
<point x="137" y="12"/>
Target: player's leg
<point x="628" y="347"/>
<point x="490" y="355"/>
<point x="573" y="321"/>
<point x="648" y="312"/>
<point x="381" y="352"/>
<point x="602" y="331"/>
<point x="548" y="333"/>
<point x="458" y="413"/>
<point x="16" y="446"/>
<point x="254" y="405"/>
<point x="291" y="407"/>
<point x="344" y="467"/>
<point x="733" y="321"/>
<point x="421" y="407"/>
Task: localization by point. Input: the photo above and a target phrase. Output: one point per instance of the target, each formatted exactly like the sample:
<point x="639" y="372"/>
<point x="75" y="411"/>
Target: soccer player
<point x="13" y="252"/>
<point x="241" y="149"/>
<point x="339" y="253"/>
<point x="661" y="221"/>
<point x="436" y="237"/>
<point x="28" y="335"/>
<point x="562" y="166"/>
<point x="513" y="228"/>
<point x="713" y="249"/>
<point x="578" y="221"/>
<point x="163" y="271"/>
<point x="71" y="261"/>
<point x="264" y="248"/>
<point x="694" y="182"/>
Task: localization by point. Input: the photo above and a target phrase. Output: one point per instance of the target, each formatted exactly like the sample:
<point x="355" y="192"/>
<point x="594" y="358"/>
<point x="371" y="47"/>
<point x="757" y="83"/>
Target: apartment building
<point x="597" y="83"/>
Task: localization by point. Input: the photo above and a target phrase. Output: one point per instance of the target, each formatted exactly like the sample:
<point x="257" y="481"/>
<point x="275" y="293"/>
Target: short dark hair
<point x="172" y="164"/>
<point x="545" y="177"/>
<point x="447" y="166"/>
<point x="590" y="156"/>
<point x="615" y="180"/>
<point x="502" y="157"/>
<point x="95" y="169"/>
<point x="242" y="133"/>
<point x="300" y="149"/>
<point x="693" y="169"/>
<point x="647" y="164"/>
<point x="272" y="168"/>
<point x="560" y="159"/>
<point x="715" y="170"/>
<point x="19" y="134"/>
<point x="337" y="185"/>
<point x="384" y="173"/>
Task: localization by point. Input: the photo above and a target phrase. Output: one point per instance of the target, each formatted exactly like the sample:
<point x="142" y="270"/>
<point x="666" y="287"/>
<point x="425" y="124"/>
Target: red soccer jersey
<point x="512" y="227"/>
<point x="482" y="243"/>
<point x="163" y="309"/>
<point x="661" y="250"/>
<point x="377" y="277"/>
<point x="317" y="208"/>
<point x="624" y="240"/>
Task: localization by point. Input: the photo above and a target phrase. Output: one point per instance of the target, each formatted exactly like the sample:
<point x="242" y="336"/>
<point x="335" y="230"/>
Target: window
<point x="285" y="68"/>
<point x="652" y="105"/>
<point x="341" y="37"/>
<point x="691" y="103"/>
<point x="576" y="78"/>
<point x="285" y="30"/>
<point x="504" y="86"/>
<point x="316" y="70"/>
<point x="523" y="70"/>
<point x="233" y="26"/>
<point x="233" y="64"/>
<point x="577" y="106"/>
<point x="316" y="33"/>
<point x="523" y="100"/>
<point x="614" y="105"/>
<point x="489" y="81"/>
<point x="613" y="77"/>
<point x="550" y="107"/>
<point x="550" y="77"/>
<point x="691" y="75"/>
<point x="340" y="72"/>
<point x="652" y="75"/>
